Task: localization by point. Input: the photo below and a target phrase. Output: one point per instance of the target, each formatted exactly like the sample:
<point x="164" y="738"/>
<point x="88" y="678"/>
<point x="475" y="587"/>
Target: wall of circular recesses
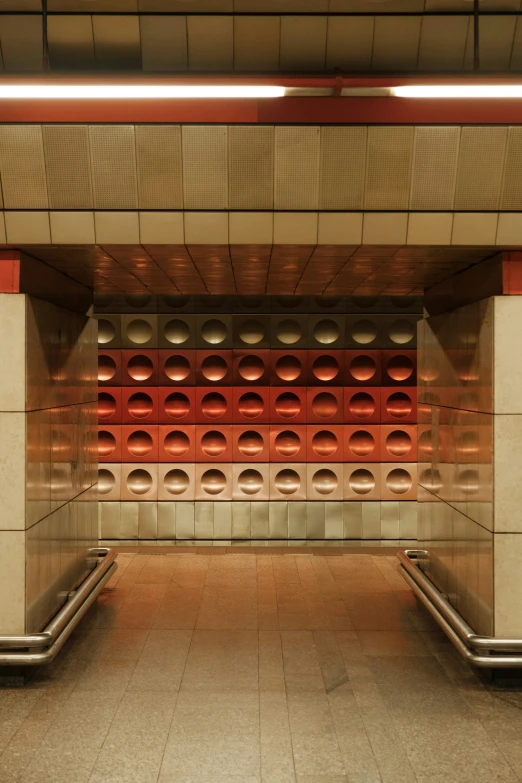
<point x="257" y="398"/>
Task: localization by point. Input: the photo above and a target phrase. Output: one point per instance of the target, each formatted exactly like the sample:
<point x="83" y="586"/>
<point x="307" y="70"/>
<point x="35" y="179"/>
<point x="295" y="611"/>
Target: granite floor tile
<point x="222" y="660"/>
<point x="162" y="662"/>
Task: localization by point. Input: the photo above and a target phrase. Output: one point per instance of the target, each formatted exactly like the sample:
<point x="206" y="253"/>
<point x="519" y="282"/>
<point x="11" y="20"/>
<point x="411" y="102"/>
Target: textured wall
<point x="218" y="414"/>
<point x="48" y="465"/>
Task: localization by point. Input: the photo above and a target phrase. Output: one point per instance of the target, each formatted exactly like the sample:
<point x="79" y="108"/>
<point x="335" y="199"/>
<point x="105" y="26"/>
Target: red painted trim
<point x="9" y="272"/>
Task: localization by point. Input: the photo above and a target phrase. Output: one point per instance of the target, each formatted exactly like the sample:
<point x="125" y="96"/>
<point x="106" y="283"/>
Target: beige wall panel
<point x="205" y="183"/>
<point x="251" y="167"/>
<point x="113" y="163"/>
<point x="396" y="43"/>
<point x="21" y="41"/>
<point x="12" y="352"/>
<point x="117" y="42"/>
<point x="297" y="151"/>
<point x="303" y="43"/>
<point x="442" y="43"/>
<point x="480" y="167"/>
<point x="511" y="195"/>
<point x="71" y="42"/>
<point x="388" y="167"/>
<point x="22" y="167"/>
<point x="12" y="581"/>
<point x="210" y="43"/>
<point x="349" y="43"/>
<point x="158" y="157"/>
<point x="68" y="167"/>
<point x="343" y="156"/>
<point x="434" y="171"/>
<point x="256" y="43"/>
<point x="163" y="43"/>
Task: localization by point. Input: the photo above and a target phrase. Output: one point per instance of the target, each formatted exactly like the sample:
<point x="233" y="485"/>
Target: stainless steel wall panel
<point x="204" y="520"/>
<point x="129" y="520"/>
<point x="333" y="520"/>
<point x="185" y="516"/>
<point x="67" y="161"/>
<point x="352" y="519"/>
<point x="148" y="520"/>
<point x="159" y="165"/>
<point x="113" y="161"/>
<point x="408" y="519"/>
<point x="205" y="167"/>
<point x="223" y="520"/>
<point x="167" y="520"/>
<point x="251" y="167"/>
<point x="297" y="155"/>
<point x="109" y="519"/>
<point x="434" y="172"/>
<point x="23" y="166"/>
<point x="278" y="520"/>
<point x="371" y="521"/>
<point x="390" y="519"/>
<point x="315" y="520"/>
<point x="241" y="523"/>
<point x="259" y="520"/>
<point x="297" y="520"/>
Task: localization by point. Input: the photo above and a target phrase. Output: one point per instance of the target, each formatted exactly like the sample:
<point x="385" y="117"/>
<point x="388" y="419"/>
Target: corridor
<point x="214" y="666"/>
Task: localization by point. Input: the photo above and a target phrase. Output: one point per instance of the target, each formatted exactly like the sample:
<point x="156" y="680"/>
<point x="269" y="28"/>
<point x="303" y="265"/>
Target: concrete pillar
<point x="470" y="459"/>
<point x="48" y="463"/>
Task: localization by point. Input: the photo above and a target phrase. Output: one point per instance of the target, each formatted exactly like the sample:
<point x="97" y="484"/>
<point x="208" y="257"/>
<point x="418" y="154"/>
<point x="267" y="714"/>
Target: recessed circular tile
<point x="287" y="443"/>
<point x="361" y="481"/>
<point x="214" y="331"/>
<point x="325" y="481"/>
<point x="362" y="405"/>
<point x="140" y="405"/>
<point x="402" y="332"/>
<point x="325" y="368"/>
<point x="106" y="368"/>
<point x="106" y="443"/>
<point x="251" y="332"/>
<point x="213" y="405"/>
<point x="177" y="367"/>
<point x="287" y="481"/>
<point x="326" y="331"/>
<point x="361" y="443"/>
<point x="250" y="481"/>
<point x="325" y="405"/>
<point x="288" y="368"/>
<point x="398" y="443"/>
<point x="140" y="368"/>
<point x="214" y="368"/>
<point x="250" y="443"/>
<point x="106" y="481"/>
<point x="176" y="331"/>
<point x="176" y="443"/>
<point x="213" y="482"/>
<point x="251" y="405"/>
<point x="176" y="481"/>
<point x="400" y="368"/>
<point x="399" y="481"/>
<point x="138" y="331"/>
<point x="106" y="405"/>
<point x="325" y="443"/>
<point x="287" y="405"/>
<point x="399" y="405"/>
<point x="213" y="443"/>
<point x="177" y="405"/>
<point x="251" y="367"/>
<point x="364" y="332"/>
<point x="139" y="481"/>
<point x="288" y="331"/>
<point x="106" y="331"/>
<point x="139" y="443"/>
<point x="363" y="368"/>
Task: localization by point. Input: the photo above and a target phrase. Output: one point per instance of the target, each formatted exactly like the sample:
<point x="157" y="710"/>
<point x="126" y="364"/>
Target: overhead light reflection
<point x="458" y="91"/>
<point x="136" y="91"/>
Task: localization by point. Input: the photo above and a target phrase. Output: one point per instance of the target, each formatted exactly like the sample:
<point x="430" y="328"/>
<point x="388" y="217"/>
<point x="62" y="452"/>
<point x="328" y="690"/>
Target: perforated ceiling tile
<point x="70" y="41"/>
<point x="479" y="174"/>
<point x="113" y="166"/>
<point x="117" y="42"/>
<point x="343" y="154"/>
<point x="22" y="167"/>
<point x="163" y="43"/>
<point x="158" y="155"/>
<point x="396" y="43"/>
<point x="388" y="167"/>
<point x="205" y="183"/>
<point x="303" y="43"/>
<point x="297" y="167"/>
<point x="349" y="43"/>
<point x="251" y="166"/>
<point x="256" y="43"/>
<point x="442" y="43"/>
<point x="68" y="166"/>
<point x="516" y="54"/>
<point x="496" y="43"/>
<point x="21" y="40"/>
<point x="435" y="157"/>
<point x="210" y="43"/>
<point x="511" y="197"/>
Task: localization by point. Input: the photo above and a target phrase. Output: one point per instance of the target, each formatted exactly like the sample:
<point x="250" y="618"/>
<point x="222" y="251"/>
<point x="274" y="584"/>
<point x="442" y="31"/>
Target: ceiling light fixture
<point x="136" y="91"/>
<point x="458" y="91"/>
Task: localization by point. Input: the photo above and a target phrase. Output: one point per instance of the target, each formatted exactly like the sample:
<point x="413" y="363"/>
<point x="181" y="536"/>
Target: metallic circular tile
<point x="364" y="332"/>
<point x="325" y="405"/>
<point x="328" y="302"/>
<point x="251" y="302"/>
<point x="363" y="368"/>
<point x="250" y="443"/>
<point x="251" y="332"/>
<point x="399" y="481"/>
<point x="106" y="443"/>
<point x="289" y="331"/>
<point x="177" y="405"/>
<point x="325" y="368"/>
<point x="177" y="367"/>
<point x="365" y="302"/>
<point x="213" y="301"/>
<point x="289" y="302"/>
<point x="214" y="331"/>
<point x="287" y="443"/>
<point x="468" y="482"/>
<point x="431" y="479"/>
<point x="324" y="443"/>
<point x="139" y="481"/>
<point x="176" y="481"/>
<point x="361" y="443"/>
<point x="250" y="481"/>
<point x="106" y="331"/>
<point x="106" y="405"/>
<point x="251" y="367"/>
<point x="361" y="481"/>
<point x="213" y="443"/>
<point x="213" y="482"/>
<point x="138" y="331"/>
<point x="176" y="302"/>
<point x="288" y="368"/>
<point x="214" y="368"/>
<point x="402" y="332"/>
<point x="287" y="481"/>
<point x="140" y="368"/>
<point x="287" y="405"/>
<point x="325" y="481"/>
<point x="139" y="443"/>
<point x="106" y="367"/>
<point x="176" y="331"/>
<point x="213" y="405"/>
<point x="402" y="302"/>
<point x="326" y="331"/>
<point x="398" y="443"/>
<point x="176" y="443"/>
<point x="399" y="405"/>
<point x="467" y="445"/>
<point x="250" y="405"/>
<point x="362" y="405"/>
<point x="425" y="445"/>
<point x="106" y="481"/>
<point x="140" y="405"/>
<point x="400" y="368"/>
<point x="138" y="300"/>
<point x="103" y="301"/>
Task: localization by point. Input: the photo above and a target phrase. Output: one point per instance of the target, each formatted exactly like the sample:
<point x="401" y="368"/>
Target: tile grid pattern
<point x="260" y="668"/>
<point x="254" y="407"/>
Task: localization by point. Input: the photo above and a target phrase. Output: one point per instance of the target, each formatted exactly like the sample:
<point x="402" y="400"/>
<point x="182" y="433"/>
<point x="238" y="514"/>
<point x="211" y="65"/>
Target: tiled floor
<point x="250" y="668"/>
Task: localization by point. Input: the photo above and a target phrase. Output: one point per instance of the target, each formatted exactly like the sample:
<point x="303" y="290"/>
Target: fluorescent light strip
<point x="133" y="91"/>
<point x="459" y="91"/>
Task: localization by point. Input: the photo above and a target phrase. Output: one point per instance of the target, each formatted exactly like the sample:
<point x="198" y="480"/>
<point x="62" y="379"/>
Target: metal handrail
<point x="458" y="631"/>
<point x="20" y="650"/>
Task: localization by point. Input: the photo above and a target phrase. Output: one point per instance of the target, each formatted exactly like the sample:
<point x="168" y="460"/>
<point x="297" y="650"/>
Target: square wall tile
<point x="28" y="227"/>
<point x="206" y="228"/>
<point x="385" y="228"/>
<point x="295" y="228"/>
<point x="340" y="228"/>
<point x="12" y="352"/>
<point x="161" y="228"/>
<point x="474" y="228"/>
<point x="251" y="228"/>
<point x="507" y="574"/>
<point x="72" y="228"/>
<point x="12" y="581"/>
<point x="12" y="471"/>
<point x="117" y="228"/>
<point x="430" y="228"/>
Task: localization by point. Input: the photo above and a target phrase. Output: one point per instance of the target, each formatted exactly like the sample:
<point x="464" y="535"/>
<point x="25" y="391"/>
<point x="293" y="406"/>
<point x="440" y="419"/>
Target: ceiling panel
<point x="343" y="156"/>
<point x="191" y="6"/>
<point x="113" y="166"/>
<point x="164" y="43"/>
<point x="20" y="5"/>
<point x="256" y="43"/>
<point x="22" y="167"/>
<point x="205" y="164"/>
<point x="481" y="162"/>
<point x="443" y="43"/>
<point x="434" y="172"/>
<point x="297" y="152"/>
<point x="511" y="196"/>
<point x="117" y="42"/>
<point x="71" y="42"/>
<point x="381" y="6"/>
<point x="303" y="43"/>
<point x="282" y="6"/>
<point x="251" y="167"/>
<point x="396" y="43"/>
<point x="21" y="41"/>
<point x="388" y="167"/>
<point x="210" y="43"/>
<point x="68" y="166"/>
<point x="349" y="43"/>
<point x="87" y="6"/>
<point x="496" y="35"/>
<point x="158" y="157"/>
